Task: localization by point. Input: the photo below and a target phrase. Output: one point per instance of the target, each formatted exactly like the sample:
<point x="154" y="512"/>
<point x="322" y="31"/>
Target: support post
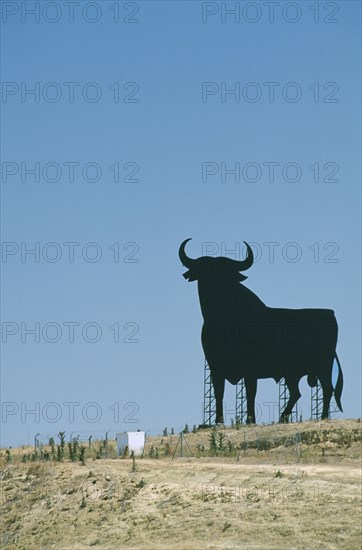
<point x="241" y="413"/>
<point x="283" y="400"/>
<point x="209" y="412"/>
<point x="316" y="406"/>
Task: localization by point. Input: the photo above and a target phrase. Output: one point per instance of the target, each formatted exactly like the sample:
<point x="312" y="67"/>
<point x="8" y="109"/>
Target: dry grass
<point x="268" y="489"/>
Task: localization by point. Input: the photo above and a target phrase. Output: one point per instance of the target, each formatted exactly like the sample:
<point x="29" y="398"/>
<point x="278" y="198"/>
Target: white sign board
<point x="134" y="441"/>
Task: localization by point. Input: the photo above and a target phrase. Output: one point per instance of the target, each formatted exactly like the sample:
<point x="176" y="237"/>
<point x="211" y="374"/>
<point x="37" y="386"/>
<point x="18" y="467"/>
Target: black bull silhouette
<point x="244" y="338"/>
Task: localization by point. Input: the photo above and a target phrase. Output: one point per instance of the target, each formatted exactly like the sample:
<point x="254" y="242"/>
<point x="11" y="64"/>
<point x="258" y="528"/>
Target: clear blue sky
<point x="168" y="134"/>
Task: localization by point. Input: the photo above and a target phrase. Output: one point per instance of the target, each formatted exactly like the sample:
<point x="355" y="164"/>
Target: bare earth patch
<point x="270" y="499"/>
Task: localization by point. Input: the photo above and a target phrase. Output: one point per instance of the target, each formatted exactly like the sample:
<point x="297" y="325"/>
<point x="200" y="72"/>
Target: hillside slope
<point x="265" y="489"/>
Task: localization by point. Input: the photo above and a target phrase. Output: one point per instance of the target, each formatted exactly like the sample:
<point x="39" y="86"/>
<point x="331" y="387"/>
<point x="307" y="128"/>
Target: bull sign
<point x="244" y="338"/>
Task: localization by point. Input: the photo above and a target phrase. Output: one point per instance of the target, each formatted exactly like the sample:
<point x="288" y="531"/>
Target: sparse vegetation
<point x="102" y="449"/>
<point x="73" y="449"/>
<point x="140" y="484"/>
<point x="221" y="438"/>
<point x="302" y="444"/>
<point x="133" y="461"/>
<point x="50" y="504"/>
<point x="61" y="446"/>
<point x="213" y="442"/>
<point x="82" y="451"/>
<point x="230" y="447"/>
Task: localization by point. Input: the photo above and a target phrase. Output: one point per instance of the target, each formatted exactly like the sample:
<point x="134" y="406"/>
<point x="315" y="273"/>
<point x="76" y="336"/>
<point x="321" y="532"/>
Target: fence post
<point x="36" y="442"/>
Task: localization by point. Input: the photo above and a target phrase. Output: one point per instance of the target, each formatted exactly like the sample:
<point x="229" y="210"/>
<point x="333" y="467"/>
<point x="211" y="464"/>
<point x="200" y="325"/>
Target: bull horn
<point x="249" y="260"/>
<point x="185" y="260"/>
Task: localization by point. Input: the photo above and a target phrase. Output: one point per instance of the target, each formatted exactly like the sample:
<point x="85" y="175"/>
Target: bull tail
<point x="339" y="384"/>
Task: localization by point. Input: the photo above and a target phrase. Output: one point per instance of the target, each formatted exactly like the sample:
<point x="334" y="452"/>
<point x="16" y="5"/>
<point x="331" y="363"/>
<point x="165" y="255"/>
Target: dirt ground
<point x="298" y="493"/>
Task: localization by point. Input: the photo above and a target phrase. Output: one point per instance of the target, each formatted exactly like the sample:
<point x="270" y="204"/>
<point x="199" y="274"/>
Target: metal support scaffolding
<point x="241" y="413"/>
<point x="316" y="405"/>
<point x="209" y="413"/>
<point x="283" y="400"/>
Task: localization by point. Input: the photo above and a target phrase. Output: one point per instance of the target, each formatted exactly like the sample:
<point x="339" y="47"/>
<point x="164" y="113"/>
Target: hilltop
<point x="276" y="486"/>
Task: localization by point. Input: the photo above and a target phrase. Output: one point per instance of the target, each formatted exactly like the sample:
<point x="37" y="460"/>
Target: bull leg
<point x="250" y="386"/>
<point x="327" y="394"/>
<point x="294" y="395"/>
<point x="218" y="382"/>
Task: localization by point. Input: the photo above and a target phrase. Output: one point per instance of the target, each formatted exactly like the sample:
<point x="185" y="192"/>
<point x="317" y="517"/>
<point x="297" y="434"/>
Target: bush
<point x="140" y="484"/>
<point x="212" y="442"/>
<point x="230" y="447"/>
<point x="82" y="454"/>
<point x="61" y="446"/>
<point x="221" y="438"/>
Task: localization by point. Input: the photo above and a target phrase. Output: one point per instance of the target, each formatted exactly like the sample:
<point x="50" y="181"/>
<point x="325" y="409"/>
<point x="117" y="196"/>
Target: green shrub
<point x="212" y="442"/>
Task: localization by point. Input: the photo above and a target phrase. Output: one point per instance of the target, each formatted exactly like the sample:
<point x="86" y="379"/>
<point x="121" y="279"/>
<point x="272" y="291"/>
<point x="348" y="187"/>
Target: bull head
<point x="216" y="268"/>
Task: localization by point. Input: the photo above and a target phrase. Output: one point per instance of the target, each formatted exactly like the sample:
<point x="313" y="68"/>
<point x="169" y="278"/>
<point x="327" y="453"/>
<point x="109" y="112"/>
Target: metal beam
<point x="283" y="401"/>
<point x="241" y="413"/>
<point x="316" y="405"/>
<point x="209" y="413"/>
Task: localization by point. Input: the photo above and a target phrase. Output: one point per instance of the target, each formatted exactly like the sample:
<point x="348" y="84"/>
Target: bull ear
<point x="242" y="277"/>
<point x="190" y="276"/>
